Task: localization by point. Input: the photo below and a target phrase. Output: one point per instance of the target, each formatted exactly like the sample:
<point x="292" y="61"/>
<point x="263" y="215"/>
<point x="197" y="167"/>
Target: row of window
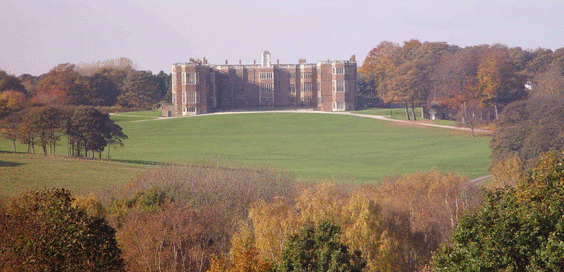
<point x="266" y="76"/>
<point x="189" y="110"/>
<point x="307" y="75"/>
<point x="307" y="87"/>
<point x="266" y="87"/>
<point x="343" y="70"/>
<point x="338" y="106"/>
<point x="192" y="78"/>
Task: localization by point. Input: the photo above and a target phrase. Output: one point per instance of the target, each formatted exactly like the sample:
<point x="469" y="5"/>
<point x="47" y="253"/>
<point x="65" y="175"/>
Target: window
<point x="338" y="86"/>
<point x="292" y="75"/>
<point x="338" y="70"/>
<point x="265" y="75"/>
<point x="184" y="97"/>
<point x="338" y="106"/>
<point x="319" y="88"/>
<point x="173" y="98"/>
<point x="240" y="76"/>
<point x="191" y="97"/>
<point x="306" y="100"/>
<point x="306" y="75"/>
<point x="267" y="101"/>
<point x="320" y="99"/>
<point x="307" y="87"/>
<point x="189" y="110"/>
<point x="292" y="88"/>
<point x="189" y="78"/>
<point x="266" y="87"/>
<point x="173" y="82"/>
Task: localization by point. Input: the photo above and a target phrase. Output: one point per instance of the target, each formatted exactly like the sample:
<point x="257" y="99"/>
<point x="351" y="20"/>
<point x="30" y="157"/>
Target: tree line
<point x="114" y="82"/>
<point x="476" y="82"/>
<point x="87" y="130"/>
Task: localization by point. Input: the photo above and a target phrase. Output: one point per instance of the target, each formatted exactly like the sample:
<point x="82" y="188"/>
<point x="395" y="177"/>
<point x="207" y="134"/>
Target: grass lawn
<point x="22" y="172"/>
<point x="399" y="114"/>
<point x="309" y="145"/>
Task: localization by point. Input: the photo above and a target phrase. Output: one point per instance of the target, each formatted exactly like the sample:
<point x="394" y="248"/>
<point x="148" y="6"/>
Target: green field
<point x="24" y="172"/>
<point x="309" y="145"/>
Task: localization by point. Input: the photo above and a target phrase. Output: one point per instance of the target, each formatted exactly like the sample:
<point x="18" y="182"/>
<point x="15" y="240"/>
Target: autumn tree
<point x="243" y="255"/>
<point x="378" y="64"/>
<point x="517" y="229"/>
<point x="64" y="81"/>
<point x="421" y="210"/>
<point x="499" y="80"/>
<point x="139" y="90"/>
<point x="44" y="231"/>
<point x="11" y="101"/>
<point x="404" y="81"/>
<point x="30" y="83"/>
<point x="12" y="128"/>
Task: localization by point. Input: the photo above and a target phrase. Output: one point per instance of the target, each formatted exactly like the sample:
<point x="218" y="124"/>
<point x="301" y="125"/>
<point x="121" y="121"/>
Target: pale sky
<point x="36" y="35"/>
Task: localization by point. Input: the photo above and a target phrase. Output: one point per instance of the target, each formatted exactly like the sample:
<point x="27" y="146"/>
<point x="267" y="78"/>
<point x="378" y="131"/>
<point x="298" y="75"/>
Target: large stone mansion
<point x="199" y="87"/>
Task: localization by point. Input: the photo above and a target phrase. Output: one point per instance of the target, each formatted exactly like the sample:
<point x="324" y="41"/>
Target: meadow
<point x="311" y="146"/>
<point x="25" y="172"/>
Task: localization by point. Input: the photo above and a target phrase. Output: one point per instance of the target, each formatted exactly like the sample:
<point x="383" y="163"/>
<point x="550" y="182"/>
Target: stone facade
<point x="201" y="87"/>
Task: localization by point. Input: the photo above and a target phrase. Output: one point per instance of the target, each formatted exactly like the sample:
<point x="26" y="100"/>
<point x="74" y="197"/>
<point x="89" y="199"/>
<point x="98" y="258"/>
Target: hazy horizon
<point x="39" y="35"/>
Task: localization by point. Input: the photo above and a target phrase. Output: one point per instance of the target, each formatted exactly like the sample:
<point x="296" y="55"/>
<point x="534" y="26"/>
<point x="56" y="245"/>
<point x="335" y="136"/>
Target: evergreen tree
<point x="319" y="249"/>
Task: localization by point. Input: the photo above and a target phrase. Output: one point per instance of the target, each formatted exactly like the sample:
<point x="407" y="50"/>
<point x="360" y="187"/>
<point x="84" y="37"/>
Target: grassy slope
<point x="312" y="146"/>
<point x="309" y="145"/>
<point x="21" y="172"/>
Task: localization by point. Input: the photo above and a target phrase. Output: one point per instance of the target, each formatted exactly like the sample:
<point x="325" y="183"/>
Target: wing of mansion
<point x="199" y="87"/>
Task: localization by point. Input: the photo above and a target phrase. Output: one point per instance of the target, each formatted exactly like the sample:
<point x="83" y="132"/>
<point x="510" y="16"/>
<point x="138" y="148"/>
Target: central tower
<point x="266" y="59"/>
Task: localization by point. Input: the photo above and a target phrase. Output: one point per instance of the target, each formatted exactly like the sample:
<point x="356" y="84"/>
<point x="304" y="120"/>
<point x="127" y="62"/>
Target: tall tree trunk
<point x="413" y="111"/>
<point x="407" y="111"/>
<point x="496" y="110"/>
<point x="14" y="144"/>
<point x="44" y="147"/>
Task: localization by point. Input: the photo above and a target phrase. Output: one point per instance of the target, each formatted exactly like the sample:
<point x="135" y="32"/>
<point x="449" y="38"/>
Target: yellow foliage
<point x="91" y="205"/>
<point x="271" y="224"/>
<point x="506" y="173"/>
<point x="244" y="256"/>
